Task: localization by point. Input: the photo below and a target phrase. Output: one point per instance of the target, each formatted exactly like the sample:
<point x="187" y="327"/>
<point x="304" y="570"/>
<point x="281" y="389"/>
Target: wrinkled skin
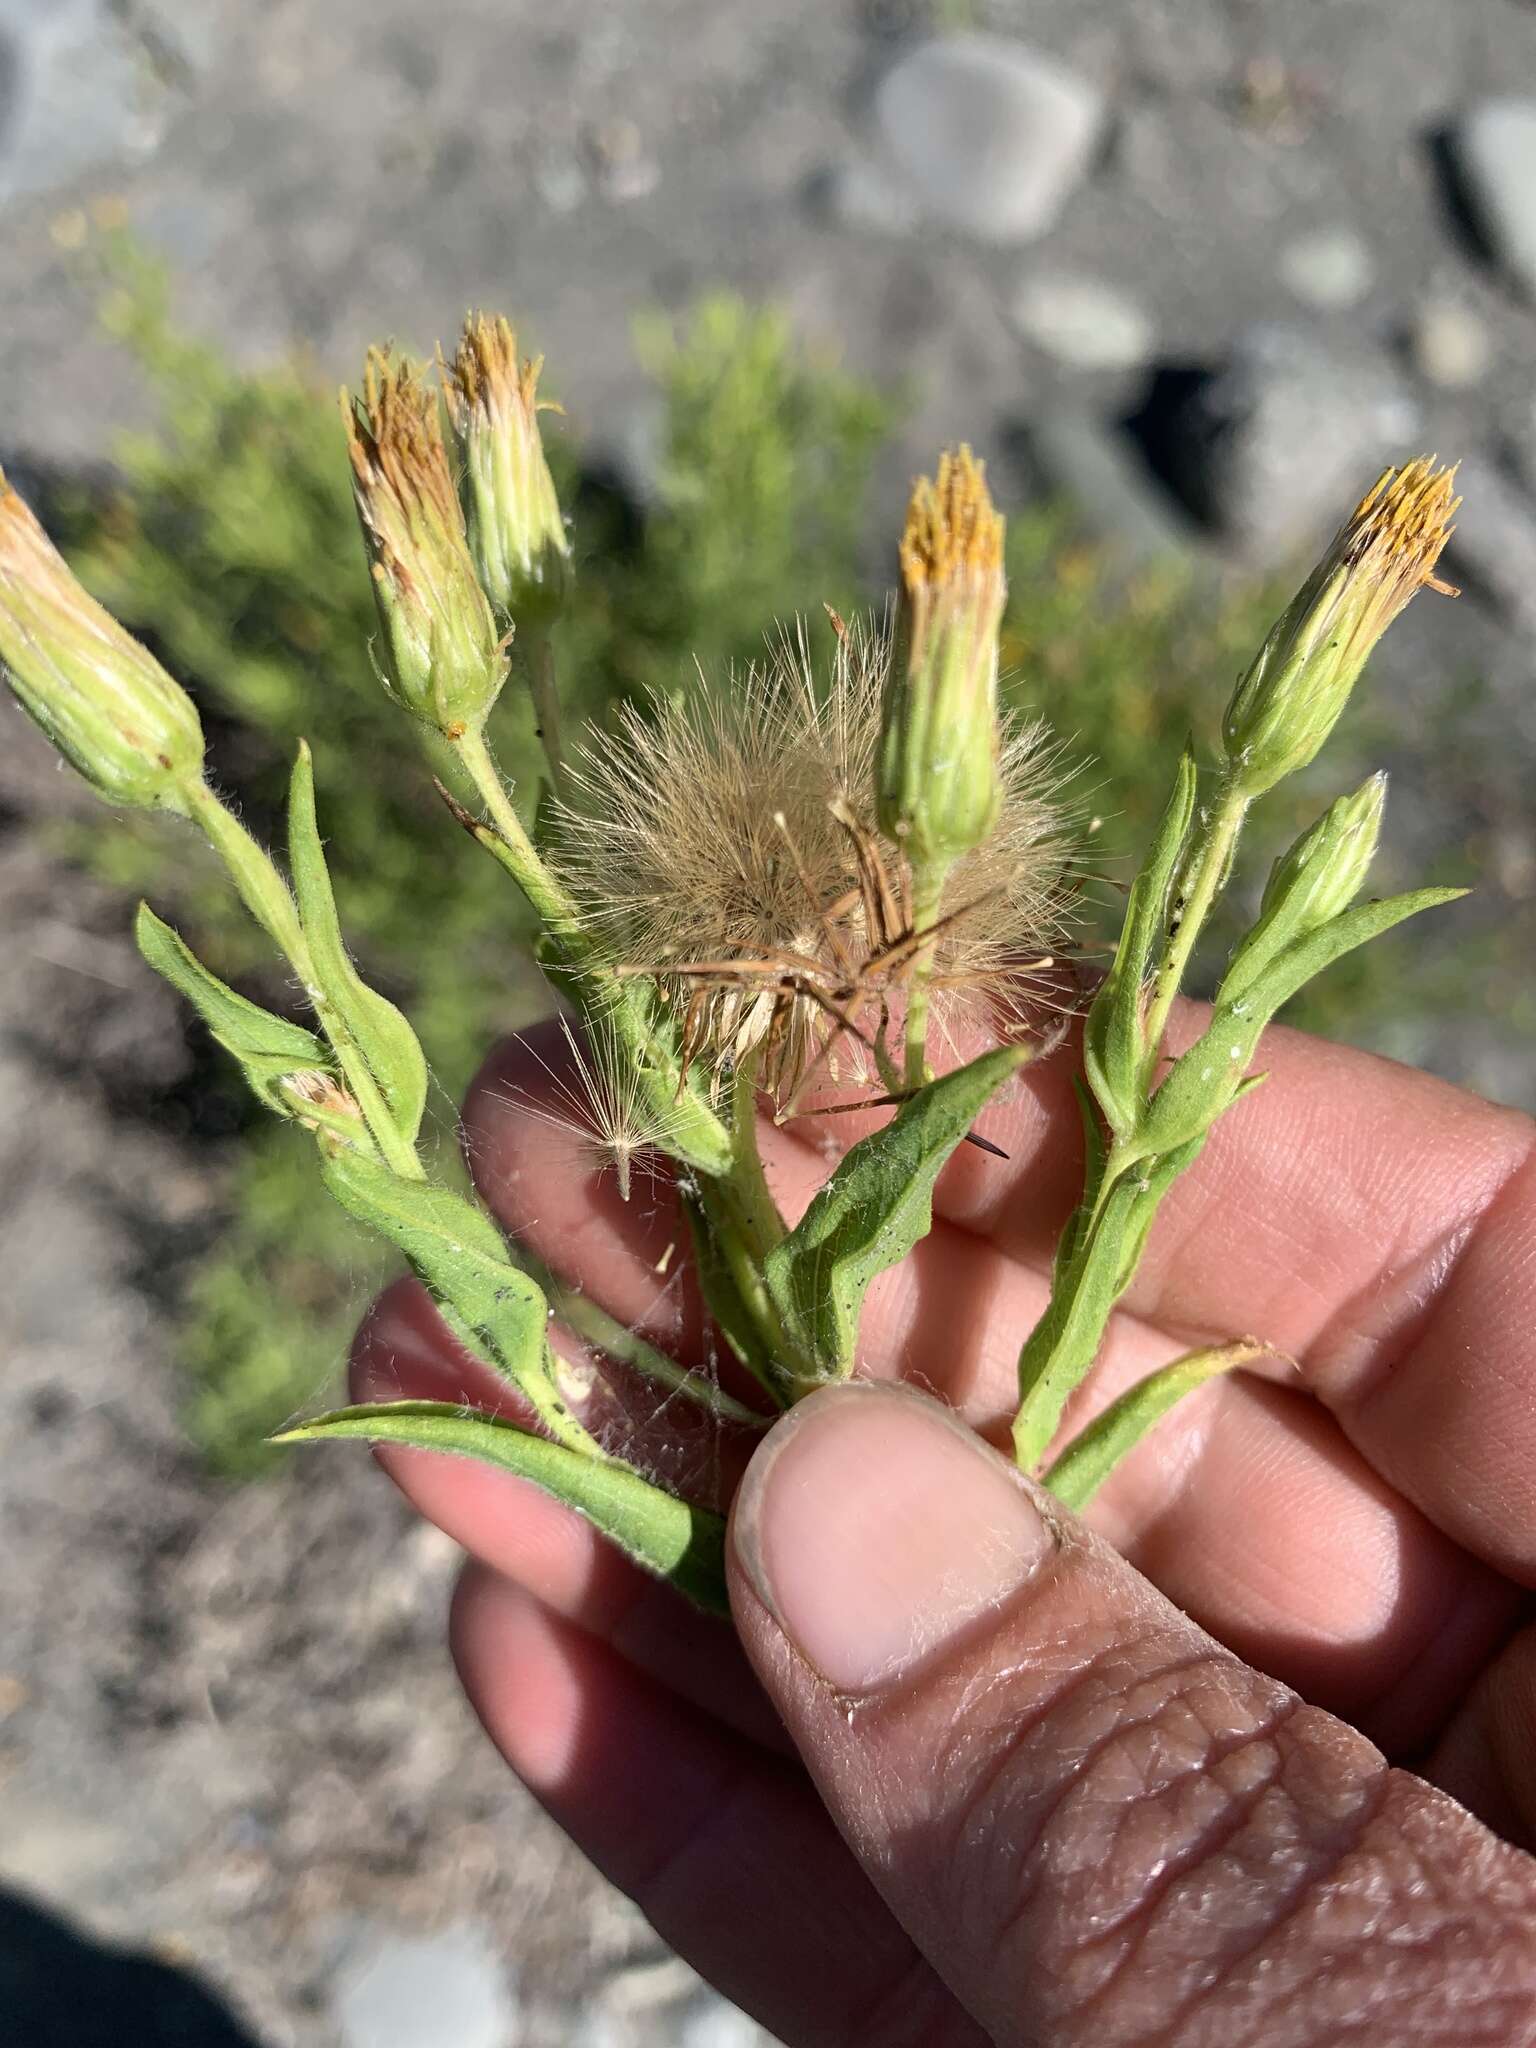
<point x="1262" y="1772"/>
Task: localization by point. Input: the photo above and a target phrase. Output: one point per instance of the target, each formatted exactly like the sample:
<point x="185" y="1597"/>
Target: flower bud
<point x="1320" y="875"/>
<point x="1286" y="705"/>
<point x="319" y="1102"/>
<point x="442" y="658"/>
<point x="938" y="783"/>
<point x="102" y="699"/>
<point x="517" y="537"/>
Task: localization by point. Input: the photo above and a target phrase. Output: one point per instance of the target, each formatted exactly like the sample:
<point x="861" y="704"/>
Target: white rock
<point x="993" y="136"/>
<point x="1494" y="150"/>
<point x="447" y="1990"/>
<point x="1083" y="321"/>
<point x="1330" y="268"/>
<point x="1451" y="345"/>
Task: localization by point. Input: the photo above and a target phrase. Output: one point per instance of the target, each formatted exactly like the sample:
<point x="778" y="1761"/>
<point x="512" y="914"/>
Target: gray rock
<point x="445" y="1990"/>
<point x="77" y="89"/>
<point x="1273" y="449"/>
<point x="1082" y="321"/>
<point x="1493" y="149"/>
<point x="1494" y="545"/>
<point x="1330" y="268"/>
<point x="1449" y="344"/>
<point x="993" y="136"/>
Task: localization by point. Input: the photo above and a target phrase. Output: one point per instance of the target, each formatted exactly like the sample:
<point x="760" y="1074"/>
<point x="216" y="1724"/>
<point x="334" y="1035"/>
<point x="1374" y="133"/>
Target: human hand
<point x="972" y="1776"/>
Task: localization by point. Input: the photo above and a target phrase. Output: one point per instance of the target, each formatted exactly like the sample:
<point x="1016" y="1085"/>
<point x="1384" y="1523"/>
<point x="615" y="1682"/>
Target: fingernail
<point x="876" y="1528"/>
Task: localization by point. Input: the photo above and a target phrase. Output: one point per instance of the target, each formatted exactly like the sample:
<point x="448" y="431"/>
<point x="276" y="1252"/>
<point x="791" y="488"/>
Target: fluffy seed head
<point x="725" y="842"/>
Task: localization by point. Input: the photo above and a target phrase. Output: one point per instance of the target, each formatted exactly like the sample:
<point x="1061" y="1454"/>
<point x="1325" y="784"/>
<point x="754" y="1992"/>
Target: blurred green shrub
<point x="228" y="541"/>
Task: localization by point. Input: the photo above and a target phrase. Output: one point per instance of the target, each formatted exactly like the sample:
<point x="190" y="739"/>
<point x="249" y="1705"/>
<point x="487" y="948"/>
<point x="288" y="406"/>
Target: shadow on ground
<point x="61" y="1989"/>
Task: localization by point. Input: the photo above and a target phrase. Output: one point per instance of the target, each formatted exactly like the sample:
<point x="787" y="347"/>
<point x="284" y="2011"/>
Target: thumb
<point x="1095" y="1822"/>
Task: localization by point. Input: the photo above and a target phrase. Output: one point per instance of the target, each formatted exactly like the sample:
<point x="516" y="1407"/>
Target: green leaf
<point x="269" y="1049"/>
<point x="1114" y="1051"/>
<point x="1204" y="1081"/>
<point x="873" y="1210"/>
<point x="673" y="1538"/>
<point x="456" y="1252"/>
<point x="386" y="1041"/>
<point x="1094" y="1452"/>
<point x="1308" y="956"/>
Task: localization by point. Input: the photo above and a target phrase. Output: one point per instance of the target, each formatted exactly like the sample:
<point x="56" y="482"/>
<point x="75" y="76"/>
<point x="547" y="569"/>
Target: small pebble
<point x="1451" y="346"/>
<point x="1082" y="321"/>
<point x="445" y="1990"/>
<point x="1330" y="268"/>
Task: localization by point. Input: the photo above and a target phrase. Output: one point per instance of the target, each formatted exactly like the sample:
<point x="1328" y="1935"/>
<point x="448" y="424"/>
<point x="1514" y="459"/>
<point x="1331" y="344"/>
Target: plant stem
<point x="1196" y="886"/>
<point x="583" y="1316"/>
<point x="744" y="1225"/>
<point x="266" y="895"/>
<point x="555" y="909"/>
<point x="1064" y="1343"/>
<point x="545" y="692"/>
<point x="761" y="1222"/>
<point x="253" y="871"/>
<point x="1111" y="1221"/>
<point x="927" y="896"/>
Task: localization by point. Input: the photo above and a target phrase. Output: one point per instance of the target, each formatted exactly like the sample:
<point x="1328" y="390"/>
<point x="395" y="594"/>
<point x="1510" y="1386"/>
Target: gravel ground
<point x="1203" y="262"/>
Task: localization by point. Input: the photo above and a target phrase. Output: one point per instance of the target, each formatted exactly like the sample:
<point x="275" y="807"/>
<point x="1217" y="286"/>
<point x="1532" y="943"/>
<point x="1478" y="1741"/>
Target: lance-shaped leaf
<point x="381" y="1034"/>
<point x="1114" y="1049"/>
<point x="1205" y="1080"/>
<point x="673" y="1538"/>
<point x="456" y="1252"/>
<point x="269" y="1049"/>
<point x="873" y="1210"/>
<point x="1094" y="1452"/>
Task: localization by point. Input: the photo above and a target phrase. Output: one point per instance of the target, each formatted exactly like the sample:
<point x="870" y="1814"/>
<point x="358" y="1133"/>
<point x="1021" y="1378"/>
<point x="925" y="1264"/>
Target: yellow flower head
<point x="442" y="657"/>
<point x="1386" y="551"/>
<point x="516" y="534"/>
<point x="938" y="782"/>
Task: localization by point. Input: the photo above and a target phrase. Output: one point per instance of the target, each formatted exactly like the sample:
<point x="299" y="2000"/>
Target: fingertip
<point x="875" y="1527"/>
